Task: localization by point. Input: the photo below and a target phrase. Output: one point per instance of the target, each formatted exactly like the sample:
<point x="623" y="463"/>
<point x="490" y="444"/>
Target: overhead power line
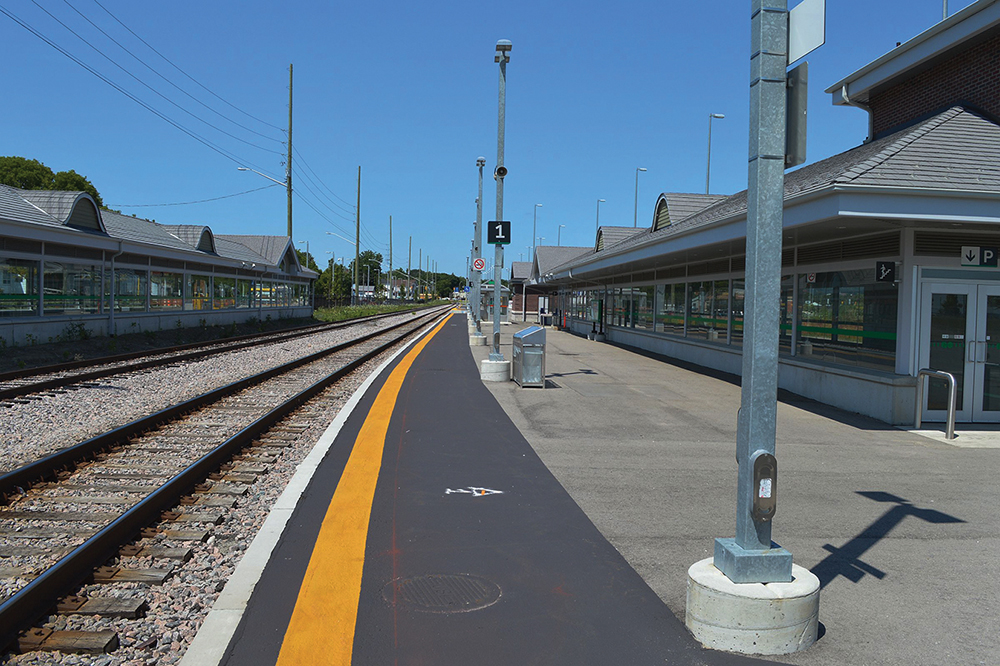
<point x="197" y="137"/>
<point x="147" y="86"/>
<point x="165" y="79"/>
<point x="195" y="81"/>
<point x="188" y="203"/>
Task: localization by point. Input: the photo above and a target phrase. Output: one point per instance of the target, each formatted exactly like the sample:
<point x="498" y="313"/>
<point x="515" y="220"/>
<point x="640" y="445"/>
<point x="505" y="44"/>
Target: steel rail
<point x="33" y="600"/>
<point x="229" y="344"/>
<point x="48" y="466"/>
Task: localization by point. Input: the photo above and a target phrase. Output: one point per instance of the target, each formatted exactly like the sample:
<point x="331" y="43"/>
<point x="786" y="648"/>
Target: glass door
<point x="947" y="327"/>
<point x="987" y="355"/>
<point x="960" y="334"/>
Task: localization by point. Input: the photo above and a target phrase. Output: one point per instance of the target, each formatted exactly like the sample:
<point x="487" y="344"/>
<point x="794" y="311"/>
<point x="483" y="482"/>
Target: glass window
<point x="225" y="293"/>
<point x="166" y="291"/>
<point x="720" y="311"/>
<point x="198" y="292"/>
<point x="847" y="317"/>
<point x="18" y="288"/>
<point x="642" y="299"/>
<point x="671" y="315"/>
<point x="130" y="289"/>
<point x="739" y="290"/>
<point x="699" y="299"/>
<point x="244" y="291"/>
<point x="787" y="314"/>
<point x="71" y="288"/>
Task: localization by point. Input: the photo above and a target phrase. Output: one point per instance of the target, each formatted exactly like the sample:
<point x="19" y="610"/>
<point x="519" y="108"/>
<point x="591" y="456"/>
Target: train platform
<point x="442" y="520"/>
<point x="432" y="533"/>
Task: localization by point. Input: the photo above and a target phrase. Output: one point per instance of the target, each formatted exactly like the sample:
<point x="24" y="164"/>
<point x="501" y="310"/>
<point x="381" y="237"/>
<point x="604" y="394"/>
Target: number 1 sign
<point x="498" y="233"/>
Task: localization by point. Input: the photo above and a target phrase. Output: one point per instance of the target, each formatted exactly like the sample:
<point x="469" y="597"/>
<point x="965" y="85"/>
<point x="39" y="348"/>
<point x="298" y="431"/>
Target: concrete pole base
<point x="598" y="337"/>
<point x="477" y="340"/>
<point x="752" y="618"/>
<point x="495" y="371"/>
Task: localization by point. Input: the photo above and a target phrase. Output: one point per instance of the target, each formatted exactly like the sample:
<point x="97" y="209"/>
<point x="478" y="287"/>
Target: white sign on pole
<point x="806" y="28"/>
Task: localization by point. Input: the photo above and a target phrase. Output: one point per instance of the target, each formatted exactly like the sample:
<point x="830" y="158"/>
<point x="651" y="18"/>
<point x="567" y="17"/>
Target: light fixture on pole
<point x="599" y="202"/>
<point x="708" y="166"/>
<point x="534" y="224"/>
<point x="502" y="57"/>
<point x="333" y="260"/>
<point x="635" y="216"/>
<point x="307" y="251"/>
<point x="559" y="235"/>
<point x="287" y="183"/>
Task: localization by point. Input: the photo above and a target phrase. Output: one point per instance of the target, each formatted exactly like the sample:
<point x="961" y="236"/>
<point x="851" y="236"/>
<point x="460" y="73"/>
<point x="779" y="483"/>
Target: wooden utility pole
<point x="288" y="165"/>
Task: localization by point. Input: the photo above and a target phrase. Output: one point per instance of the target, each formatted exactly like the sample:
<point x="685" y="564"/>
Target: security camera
<point x="500" y="172"/>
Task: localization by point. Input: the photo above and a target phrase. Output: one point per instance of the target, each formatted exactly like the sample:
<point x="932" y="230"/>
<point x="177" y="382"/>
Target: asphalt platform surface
<point x="461" y="493"/>
<point x="903" y="530"/>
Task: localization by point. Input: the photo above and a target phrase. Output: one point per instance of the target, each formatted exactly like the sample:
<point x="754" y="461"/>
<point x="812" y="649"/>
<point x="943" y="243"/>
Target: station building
<point x="889" y="260"/>
<point x="68" y="268"/>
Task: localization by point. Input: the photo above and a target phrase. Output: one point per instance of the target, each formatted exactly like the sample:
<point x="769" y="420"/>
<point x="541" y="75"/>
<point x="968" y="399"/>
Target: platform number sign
<point x="498" y="233"/>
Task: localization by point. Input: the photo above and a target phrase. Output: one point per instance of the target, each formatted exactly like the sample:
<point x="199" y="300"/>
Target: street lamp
<point x="502" y="57"/>
<point x="333" y="260"/>
<point x="287" y="183"/>
<point x="307" y="251"/>
<point x="708" y="167"/>
<point x="635" y="217"/>
<point x="559" y="235"/>
<point x="534" y="223"/>
<point x="599" y="202"/>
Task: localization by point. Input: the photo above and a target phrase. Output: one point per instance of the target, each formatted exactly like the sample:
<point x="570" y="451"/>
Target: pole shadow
<point x="846" y="560"/>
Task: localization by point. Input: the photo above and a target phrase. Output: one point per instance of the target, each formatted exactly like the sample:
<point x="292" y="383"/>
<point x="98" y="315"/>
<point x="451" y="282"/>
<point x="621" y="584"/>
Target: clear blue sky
<point x="408" y="91"/>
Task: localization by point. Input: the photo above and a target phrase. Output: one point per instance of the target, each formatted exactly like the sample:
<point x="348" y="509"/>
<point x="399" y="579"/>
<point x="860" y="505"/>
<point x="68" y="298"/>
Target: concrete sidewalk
<point x="901" y="529"/>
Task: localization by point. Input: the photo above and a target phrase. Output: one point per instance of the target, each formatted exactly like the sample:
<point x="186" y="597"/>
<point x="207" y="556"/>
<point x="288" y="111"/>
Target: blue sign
<point x="466" y="290"/>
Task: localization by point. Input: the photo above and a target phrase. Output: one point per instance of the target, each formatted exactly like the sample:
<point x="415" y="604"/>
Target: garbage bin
<point x="528" y="358"/>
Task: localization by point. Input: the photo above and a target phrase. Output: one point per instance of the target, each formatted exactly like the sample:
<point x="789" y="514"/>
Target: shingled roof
<point x="610" y="236"/>
<point x="953" y="151"/>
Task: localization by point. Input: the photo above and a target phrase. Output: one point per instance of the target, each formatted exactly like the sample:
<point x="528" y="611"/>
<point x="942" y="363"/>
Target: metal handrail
<point x="952" y="395"/>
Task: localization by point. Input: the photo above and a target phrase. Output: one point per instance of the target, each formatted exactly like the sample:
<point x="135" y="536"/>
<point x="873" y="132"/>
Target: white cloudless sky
<point x="408" y="91"/>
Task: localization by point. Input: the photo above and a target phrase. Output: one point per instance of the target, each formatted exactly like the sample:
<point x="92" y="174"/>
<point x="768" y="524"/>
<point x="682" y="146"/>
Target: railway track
<point x="169" y="479"/>
<point x="17" y="384"/>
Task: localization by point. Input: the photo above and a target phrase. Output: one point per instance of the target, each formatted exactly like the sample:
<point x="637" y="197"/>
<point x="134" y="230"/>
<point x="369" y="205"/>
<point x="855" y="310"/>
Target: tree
<point x="308" y="262"/>
<point x="71" y="181"/>
<point x="369" y="268"/>
<point x="28" y="174"/>
<point x="25" y="174"/>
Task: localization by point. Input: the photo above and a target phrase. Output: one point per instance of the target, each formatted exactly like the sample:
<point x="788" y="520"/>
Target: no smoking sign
<point x="479" y="263"/>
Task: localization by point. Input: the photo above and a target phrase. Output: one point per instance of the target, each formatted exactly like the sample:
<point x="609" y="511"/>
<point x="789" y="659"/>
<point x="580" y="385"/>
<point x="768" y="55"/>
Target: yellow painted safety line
<point x="321" y="630"/>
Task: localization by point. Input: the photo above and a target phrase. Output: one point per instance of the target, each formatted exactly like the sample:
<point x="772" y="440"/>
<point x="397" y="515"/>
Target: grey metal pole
<point x="635" y="216"/>
<point x="751" y="557"/>
<point x="503" y="57"/>
<point x="288" y="164"/>
<point x="708" y="165"/>
<point x="597" y="227"/>
<point x="534" y="225"/>
<point x="409" y="281"/>
<point x="945" y="10"/>
<point x="477" y="252"/>
<point x="357" y="243"/>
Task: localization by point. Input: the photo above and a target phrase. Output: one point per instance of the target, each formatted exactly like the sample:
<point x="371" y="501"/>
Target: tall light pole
<point x="635" y="216"/>
<point x="599" y="202"/>
<point x="502" y="56"/>
<point x="708" y="166"/>
<point x="307" y="251"/>
<point x="534" y="224"/>
<point x="559" y="235"/>
<point x="477" y="245"/>
<point x="751" y="557"/>
<point x="333" y="259"/>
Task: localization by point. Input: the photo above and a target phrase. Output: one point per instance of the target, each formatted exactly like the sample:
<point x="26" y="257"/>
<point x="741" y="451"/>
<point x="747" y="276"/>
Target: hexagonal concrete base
<point x="477" y="340"/>
<point x="494" y="371"/>
<point x="752" y="618"/>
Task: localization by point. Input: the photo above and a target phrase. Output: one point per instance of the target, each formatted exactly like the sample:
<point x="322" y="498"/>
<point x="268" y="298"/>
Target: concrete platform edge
<point x="213" y="637"/>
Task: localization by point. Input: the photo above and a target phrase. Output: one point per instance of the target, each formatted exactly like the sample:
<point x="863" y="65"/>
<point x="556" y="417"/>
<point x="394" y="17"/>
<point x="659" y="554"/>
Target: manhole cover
<point x="442" y="593"/>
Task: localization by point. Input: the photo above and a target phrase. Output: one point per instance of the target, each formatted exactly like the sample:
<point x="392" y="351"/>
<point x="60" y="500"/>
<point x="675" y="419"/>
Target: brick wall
<point x="972" y="76"/>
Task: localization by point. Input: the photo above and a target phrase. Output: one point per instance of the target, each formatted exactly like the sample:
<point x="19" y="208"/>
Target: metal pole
<point x="597" y="227"/>
<point x="288" y="165"/>
<point x="751" y="557"/>
<point x="708" y="165"/>
<point x="389" y="289"/>
<point x="502" y="56"/>
<point x="635" y="216"/>
<point x="357" y="243"/>
<point x="420" y="264"/>
<point x="477" y="276"/>
<point x="945" y="10"/>
<point x="534" y="225"/>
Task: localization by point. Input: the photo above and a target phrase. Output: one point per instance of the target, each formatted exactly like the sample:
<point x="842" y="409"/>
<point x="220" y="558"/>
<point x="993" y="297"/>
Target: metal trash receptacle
<point x="528" y="358"/>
